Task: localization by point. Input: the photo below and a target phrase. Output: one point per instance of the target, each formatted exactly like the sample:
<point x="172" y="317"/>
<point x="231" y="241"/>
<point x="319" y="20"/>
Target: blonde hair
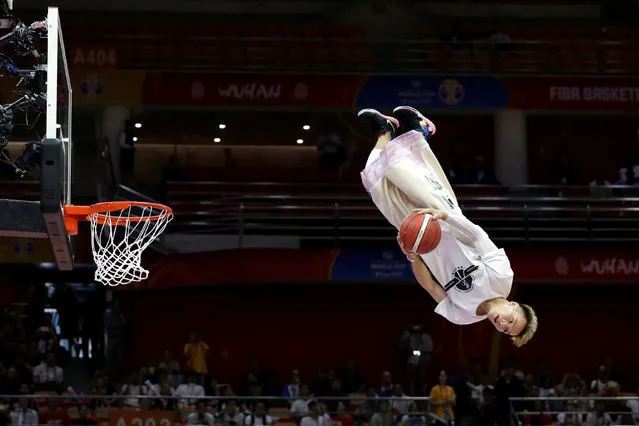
<point x="529" y="330"/>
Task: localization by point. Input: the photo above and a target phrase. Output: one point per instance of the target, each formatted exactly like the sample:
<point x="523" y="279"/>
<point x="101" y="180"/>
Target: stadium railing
<point x="522" y="407"/>
<point x="316" y="52"/>
<point x="340" y="213"/>
<point x="110" y="409"/>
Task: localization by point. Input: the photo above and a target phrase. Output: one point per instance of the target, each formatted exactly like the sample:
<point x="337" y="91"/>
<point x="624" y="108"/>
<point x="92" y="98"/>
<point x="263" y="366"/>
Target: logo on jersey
<point x="434" y="182"/>
<point x="463" y="279"/>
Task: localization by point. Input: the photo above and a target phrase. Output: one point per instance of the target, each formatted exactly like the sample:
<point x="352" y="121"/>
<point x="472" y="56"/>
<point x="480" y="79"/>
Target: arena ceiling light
<point x="222" y="126"/>
<point x="300" y="141"/>
<point x="138" y="125"/>
<point x="306" y="127"/>
<point x="135" y="138"/>
<point x="217" y="140"/>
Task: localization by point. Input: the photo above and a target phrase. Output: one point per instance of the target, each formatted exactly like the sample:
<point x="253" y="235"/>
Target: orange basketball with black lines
<point x="420" y="233"/>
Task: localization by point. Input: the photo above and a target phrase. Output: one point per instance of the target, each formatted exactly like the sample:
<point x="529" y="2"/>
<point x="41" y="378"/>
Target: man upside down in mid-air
<point x="402" y="176"/>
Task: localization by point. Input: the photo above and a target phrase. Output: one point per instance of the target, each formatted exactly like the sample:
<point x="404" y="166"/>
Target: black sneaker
<point x="379" y="122"/>
<point x="411" y="119"/>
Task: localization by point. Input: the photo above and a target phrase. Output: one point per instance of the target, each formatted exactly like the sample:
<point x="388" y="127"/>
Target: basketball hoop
<point x="120" y="232"/>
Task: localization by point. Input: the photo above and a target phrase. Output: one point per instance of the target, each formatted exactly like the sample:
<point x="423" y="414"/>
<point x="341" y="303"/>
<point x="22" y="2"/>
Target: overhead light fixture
<point x="217" y="140"/>
<point x="138" y="125"/>
<point x="306" y="127"/>
<point x="222" y="126"/>
<point x="135" y="138"/>
<point x="300" y="141"/>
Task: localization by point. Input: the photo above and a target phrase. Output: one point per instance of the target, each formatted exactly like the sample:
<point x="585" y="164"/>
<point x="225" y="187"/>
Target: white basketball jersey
<point x="470" y="274"/>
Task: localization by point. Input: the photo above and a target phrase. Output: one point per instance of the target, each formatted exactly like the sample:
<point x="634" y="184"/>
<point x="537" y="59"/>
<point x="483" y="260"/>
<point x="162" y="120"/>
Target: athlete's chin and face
<point x="508" y="318"/>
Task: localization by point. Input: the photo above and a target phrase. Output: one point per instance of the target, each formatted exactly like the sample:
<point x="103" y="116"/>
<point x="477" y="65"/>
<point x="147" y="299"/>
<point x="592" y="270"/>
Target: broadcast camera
<point x="22" y="41"/>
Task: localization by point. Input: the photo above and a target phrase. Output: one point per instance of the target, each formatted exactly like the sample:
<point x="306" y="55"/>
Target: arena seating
<point x="203" y="45"/>
<point x="326" y="211"/>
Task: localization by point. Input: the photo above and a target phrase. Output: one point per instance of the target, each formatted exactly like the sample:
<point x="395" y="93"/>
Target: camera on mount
<point x="22" y="41"/>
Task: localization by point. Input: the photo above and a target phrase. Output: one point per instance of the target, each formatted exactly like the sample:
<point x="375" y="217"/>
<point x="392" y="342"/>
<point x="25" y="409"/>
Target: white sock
<point x="374" y="155"/>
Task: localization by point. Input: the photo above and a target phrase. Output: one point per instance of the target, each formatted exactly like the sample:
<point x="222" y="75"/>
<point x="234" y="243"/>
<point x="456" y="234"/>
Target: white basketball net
<point x="118" y="242"/>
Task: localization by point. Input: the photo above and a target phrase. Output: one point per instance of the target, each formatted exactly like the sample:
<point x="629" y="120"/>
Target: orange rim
<point x="74" y="214"/>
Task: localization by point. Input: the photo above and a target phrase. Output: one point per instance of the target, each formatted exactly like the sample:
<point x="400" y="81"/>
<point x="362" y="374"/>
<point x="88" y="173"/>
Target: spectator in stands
<point x="201" y="416"/>
<point x="599" y="384"/>
<point x="489" y="410"/>
<point x="633" y="405"/>
<point x="196" y="353"/>
<point x="231" y="414"/>
<point x="147" y="372"/>
<point x="259" y="416"/>
<point x="48" y="375"/>
<point x="613" y="390"/>
<point x="413" y="417"/>
<point x="599" y="417"/>
<point x="600" y="188"/>
<point x="443" y="398"/>
<point x="114" y="323"/>
<point x="400" y="406"/>
<point x="54" y="414"/>
<point x="387" y="388"/>
<point x="299" y="407"/>
<point x="384" y="415"/>
<point x="544" y="379"/>
<point x="171" y="366"/>
<point x="417" y="347"/>
<point x="84" y="417"/>
<point x="538" y="407"/>
<point x="368" y="407"/>
<point x="352" y="380"/>
<point x="102" y="387"/>
<point x="254" y="390"/>
<point x="508" y="386"/>
<point x="292" y="389"/>
<point x="341" y="417"/>
<point x="131" y="388"/>
<point x="189" y="390"/>
<point x="22" y="415"/>
<point x="571" y="417"/>
<point x="477" y="390"/>
<point x="165" y="401"/>
<point x="336" y="392"/>
<point x="314" y="417"/>
<point x="47" y="339"/>
<point x="213" y="387"/>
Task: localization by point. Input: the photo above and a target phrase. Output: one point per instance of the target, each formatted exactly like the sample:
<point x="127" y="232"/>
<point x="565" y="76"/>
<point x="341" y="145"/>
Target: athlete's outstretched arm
<point x="426" y="281"/>
<point x="422" y="275"/>
<point x="463" y="229"/>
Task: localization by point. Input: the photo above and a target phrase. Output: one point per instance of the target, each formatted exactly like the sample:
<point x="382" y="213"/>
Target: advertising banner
<point x="299" y="266"/>
<point x="251" y="90"/>
<point x="93" y="56"/>
<point x="140" y="418"/>
<point x="107" y="87"/>
<point x="433" y="92"/>
<point x="573" y="94"/>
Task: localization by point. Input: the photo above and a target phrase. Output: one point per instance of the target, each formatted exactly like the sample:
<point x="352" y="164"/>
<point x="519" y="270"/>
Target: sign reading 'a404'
<point x="140" y="418"/>
<point x="93" y="57"/>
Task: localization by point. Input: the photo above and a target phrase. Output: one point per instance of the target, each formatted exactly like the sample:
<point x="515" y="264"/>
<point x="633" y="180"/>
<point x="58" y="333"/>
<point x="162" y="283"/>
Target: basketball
<point x="420" y="233"/>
